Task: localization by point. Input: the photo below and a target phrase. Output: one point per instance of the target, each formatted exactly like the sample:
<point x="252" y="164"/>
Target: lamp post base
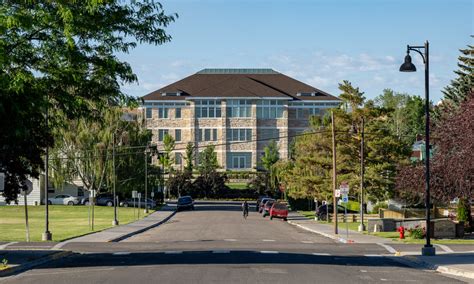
<point x="47" y="236"/>
<point x="361" y="228"/>
<point x="428" y="251"/>
<point x="115" y="223"/>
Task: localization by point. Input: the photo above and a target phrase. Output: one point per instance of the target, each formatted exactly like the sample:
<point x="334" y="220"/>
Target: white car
<point x="63" y="199"/>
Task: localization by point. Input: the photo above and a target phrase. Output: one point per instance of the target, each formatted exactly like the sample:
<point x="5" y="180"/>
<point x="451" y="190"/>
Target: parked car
<point x="259" y="199"/>
<point x="321" y="211"/>
<point x="149" y="203"/>
<point x="262" y="203"/>
<point x="279" y="210"/>
<point x="266" y="208"/>
<point x="64" y="199"/>
<point x="185" y="202"/>
<point x="104" y="199"/>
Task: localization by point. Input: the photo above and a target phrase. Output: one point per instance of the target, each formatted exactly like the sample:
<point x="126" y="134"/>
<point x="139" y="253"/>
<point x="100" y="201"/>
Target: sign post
<point x="139" y="197"/>
<point x="91" y="203"/>
<point x="134" y="197"/>
<point x="344" y="187"/>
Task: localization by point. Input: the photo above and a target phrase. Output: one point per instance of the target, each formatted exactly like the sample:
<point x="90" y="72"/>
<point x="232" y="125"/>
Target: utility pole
<point x="146" y="179"/>
<point x="362" y="172"/>
<point x="25" y="192"/>
<point x="47" y="236"/>
<point x="334" y="177"/>
<point x="115" y="222"/>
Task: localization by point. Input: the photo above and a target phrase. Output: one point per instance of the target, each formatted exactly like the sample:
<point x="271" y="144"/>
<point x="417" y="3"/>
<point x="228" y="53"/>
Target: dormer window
<point x="313" y="94"/>
<point x="171" y="94"/>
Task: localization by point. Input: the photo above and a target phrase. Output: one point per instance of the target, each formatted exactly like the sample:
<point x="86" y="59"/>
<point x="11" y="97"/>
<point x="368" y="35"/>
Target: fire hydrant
<point x="401" y="230"/>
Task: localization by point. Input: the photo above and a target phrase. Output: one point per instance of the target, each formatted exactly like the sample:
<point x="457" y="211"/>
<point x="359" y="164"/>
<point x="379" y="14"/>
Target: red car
<point x="262" y="204"/>
<point x="279" y="210"/>
<point x="266" y="208"/>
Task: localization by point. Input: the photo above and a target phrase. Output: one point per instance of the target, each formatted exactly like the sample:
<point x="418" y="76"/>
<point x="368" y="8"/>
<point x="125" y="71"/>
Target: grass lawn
<point x="390" y="235"/>
<point x="238" y="186"/>
<point x="65" y="221"/>
<point x="340" y="225"/>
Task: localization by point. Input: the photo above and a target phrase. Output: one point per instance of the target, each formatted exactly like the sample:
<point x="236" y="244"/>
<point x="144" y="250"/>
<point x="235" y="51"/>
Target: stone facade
<point x="189" y="125"/>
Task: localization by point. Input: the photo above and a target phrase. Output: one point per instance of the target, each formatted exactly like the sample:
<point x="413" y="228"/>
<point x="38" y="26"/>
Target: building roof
<point x="239" y="83"/>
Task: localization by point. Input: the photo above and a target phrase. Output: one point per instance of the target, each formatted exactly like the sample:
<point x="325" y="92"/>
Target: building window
<point x="239" y="160"/>
<point x="239" y="108"/>
<point x="178" y="158"/>
<point x="269" y="109"/>
<point x="149" y="112"/>
<point x="162" y="133"/>
<point x="269" y="134"/>
<point x="208" y="108"/>
<point x="178" y="112"/>
<point x="240" y="134"/>
<point x="177" y="134"/>
<point x="163" y="112"/>
<point x="207" y="134"/>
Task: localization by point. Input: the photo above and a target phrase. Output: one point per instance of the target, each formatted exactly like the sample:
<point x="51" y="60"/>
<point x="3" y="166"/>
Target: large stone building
<point x="238" y="110"/>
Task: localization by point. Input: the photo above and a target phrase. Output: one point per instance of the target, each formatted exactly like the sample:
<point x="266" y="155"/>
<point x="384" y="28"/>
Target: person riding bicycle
<point x="245" y="208"/>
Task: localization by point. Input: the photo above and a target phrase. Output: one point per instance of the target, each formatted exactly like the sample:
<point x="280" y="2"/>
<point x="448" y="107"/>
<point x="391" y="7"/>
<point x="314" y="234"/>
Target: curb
<point x="128" y="235"/>
<point x="414" y="262"/>
<point x="28" y="265"/>
<point x="339" y="239"/>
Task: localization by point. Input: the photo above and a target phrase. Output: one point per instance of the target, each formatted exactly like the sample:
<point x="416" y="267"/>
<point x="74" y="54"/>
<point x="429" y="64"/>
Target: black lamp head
<point x="407" y="66"/>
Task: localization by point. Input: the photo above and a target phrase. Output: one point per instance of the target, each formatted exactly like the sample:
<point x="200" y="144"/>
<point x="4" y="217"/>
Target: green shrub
<point x="378" y="206"/>
<point x="463" y="211"/>
<point x="417" y="232"/>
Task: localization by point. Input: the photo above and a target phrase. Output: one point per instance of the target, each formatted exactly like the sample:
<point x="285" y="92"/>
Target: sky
<point x="319" y="42"/>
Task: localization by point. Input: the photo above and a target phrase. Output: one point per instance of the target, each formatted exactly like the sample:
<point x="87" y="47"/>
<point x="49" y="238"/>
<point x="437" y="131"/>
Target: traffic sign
<point x="345" y="198"/>
<point x="139" y="195"/>
<point x="338" y="193"/>
<point x="152" y="194"/>
<point x="134" y="194"/>
<point x="344" y="187"/>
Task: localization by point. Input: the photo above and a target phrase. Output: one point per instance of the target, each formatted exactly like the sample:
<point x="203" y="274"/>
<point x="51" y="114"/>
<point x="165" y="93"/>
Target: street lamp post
<point x="362" y="172"/>
<point x="408" y="66"/>
<point x="115" y="222"/>
<point x="146" y="178"/>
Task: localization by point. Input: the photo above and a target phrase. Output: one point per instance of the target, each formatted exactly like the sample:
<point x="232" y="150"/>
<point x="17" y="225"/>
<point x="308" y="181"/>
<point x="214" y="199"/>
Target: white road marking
<point x="445" y="248"/>
<point x="230" y="240"/>
<point x="221" y="251"/>
<point x="174" y="252"/>
<point x="363" y="271"/>
<point x="307" y="242"/>
<point x="7" y="244"/>
<point x="59" y="245"/>
<point x="69" y="271"/>
<point x="321" y="254"/>
<point x="373" y="255"/>
<point x="388" y="248"/>
<point x="121" y="253"/>
<point x="269" y="251"/>
<point x="268" y="240"/>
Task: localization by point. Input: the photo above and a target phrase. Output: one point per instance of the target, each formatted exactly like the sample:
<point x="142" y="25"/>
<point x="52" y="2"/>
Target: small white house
<point x="35" y="192"/>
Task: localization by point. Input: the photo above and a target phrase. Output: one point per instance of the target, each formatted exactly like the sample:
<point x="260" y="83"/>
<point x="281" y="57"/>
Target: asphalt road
<point x="214" y="244"/>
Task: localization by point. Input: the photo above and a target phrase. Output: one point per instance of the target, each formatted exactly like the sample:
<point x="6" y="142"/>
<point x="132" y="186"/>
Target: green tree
<point x="459" y="89"/>
<point x="166" y="158"/>
<point x="405" y="114"/>
<point x="189" y="157"/>
<point x="208" y="161"/>
<point x="62" y="56"/>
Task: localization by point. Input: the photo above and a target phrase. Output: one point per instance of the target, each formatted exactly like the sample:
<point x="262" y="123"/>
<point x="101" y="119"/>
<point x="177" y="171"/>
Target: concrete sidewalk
<point x="121" y="232"/>
<point x="21" y="260"/>
<point x="327" y="230"/>
<point x="457" y="264"/>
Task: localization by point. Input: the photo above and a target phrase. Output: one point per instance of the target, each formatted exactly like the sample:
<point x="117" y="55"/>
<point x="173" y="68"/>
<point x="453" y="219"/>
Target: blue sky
<point x="318" y="42"/>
